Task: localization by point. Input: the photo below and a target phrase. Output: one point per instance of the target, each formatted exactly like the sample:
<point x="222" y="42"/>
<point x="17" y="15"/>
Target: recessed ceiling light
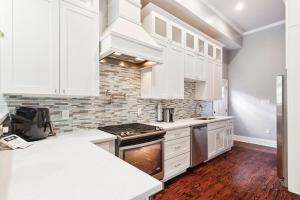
<point x="239" y="6"/>
<point x="117" y="54"/>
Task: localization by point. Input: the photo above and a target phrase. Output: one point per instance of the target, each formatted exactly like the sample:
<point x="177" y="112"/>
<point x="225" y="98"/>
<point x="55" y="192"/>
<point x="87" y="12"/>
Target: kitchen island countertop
<point x="70" y="167"/>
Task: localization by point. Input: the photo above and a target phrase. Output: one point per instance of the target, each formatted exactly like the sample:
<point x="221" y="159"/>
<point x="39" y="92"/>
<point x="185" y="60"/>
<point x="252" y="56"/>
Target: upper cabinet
<point x="43" y="53"/>
<point x="186" y="51"/>
<point x="30" y="47"/>
<point x="90" y="5"/>
<point x="190" y="41"/>
<point x="79" y="61"/>
<point x="177" y="35"/>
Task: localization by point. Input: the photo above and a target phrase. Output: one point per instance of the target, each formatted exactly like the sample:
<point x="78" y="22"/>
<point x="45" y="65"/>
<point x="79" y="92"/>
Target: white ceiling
<point x="256" y="13"/>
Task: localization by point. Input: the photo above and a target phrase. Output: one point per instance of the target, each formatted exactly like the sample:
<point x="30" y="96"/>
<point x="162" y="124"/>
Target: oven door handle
<point x="141" y="145"/>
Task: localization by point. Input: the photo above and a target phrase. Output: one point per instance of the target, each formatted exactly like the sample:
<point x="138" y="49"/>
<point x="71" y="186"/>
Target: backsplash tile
<point x="94" y="111"/>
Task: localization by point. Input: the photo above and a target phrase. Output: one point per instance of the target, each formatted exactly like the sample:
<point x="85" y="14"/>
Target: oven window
<point x="146" y="158"/>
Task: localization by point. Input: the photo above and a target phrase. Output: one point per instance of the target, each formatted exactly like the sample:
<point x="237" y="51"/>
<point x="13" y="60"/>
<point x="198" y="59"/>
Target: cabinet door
<point x="160" y="27"/>
<point x="190" y="41"/>
<point x="189" y="65"/>
<point x="91" y="5"/>
<point x="176" y="35"/>
<point x="160" y="75"/>
<point x="79" y="55"/>
<point x="211" y="51"/>
<point x="30" y="46"/>
<point x="217" y="82"/>
<point x="176" y="73"/>
<point x="219" y="54"/>
<point x="211" y="144"/>
<point x="200" y="72"/>
<point x="220" y="136"/>
<point x="201" y="46"/>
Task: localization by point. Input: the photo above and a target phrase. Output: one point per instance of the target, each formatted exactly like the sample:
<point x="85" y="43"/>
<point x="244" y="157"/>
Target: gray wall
<point x="252" y="91"/>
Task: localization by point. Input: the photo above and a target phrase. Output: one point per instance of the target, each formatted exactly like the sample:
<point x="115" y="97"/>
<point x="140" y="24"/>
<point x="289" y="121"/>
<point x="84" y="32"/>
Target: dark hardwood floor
<point x="246" y="172"/>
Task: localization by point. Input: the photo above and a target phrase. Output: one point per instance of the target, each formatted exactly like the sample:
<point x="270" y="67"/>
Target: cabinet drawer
<point x="90" y="5"/>
<point x="177" y="147"/>
<point x="178" y="133"/>
<point x="176" y="165"/>
<point x="216" y="125"/>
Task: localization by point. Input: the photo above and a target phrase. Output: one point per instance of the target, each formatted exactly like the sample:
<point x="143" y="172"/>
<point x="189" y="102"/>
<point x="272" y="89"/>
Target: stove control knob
<point x="123" y="134"/>
<point x="128" y="133"/>
<point x="158" y="128"/>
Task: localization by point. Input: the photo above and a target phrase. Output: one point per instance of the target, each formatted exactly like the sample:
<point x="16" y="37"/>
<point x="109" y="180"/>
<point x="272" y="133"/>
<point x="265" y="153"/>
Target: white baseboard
<point x="263" y="142"/>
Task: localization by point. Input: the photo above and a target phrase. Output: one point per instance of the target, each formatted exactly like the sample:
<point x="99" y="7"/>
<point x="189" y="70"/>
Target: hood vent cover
<point x="125" y="39"/>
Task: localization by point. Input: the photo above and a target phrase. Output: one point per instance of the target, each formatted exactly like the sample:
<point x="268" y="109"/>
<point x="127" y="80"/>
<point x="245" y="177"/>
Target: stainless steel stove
<point x="141" y="145"/>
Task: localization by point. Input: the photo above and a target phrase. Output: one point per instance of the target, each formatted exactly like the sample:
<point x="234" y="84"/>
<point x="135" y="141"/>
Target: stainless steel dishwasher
<point x="198" y="144"/>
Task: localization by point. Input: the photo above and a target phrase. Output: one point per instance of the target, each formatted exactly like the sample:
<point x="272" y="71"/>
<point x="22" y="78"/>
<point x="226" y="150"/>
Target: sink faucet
<point x="198" y="109"/>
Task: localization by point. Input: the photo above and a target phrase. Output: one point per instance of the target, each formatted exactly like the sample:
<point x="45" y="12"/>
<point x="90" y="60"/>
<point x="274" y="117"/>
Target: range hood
<point x="125" y="39"/>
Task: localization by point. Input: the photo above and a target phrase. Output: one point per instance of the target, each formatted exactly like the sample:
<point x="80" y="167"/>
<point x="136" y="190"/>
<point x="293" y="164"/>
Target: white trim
<point x="221" y="15"/>
<point x="264" y="27"/>
<point x="258" y="141"/>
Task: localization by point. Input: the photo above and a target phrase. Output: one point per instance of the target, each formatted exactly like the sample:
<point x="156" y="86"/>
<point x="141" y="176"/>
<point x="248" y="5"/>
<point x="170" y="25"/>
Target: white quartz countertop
<point x="182" y="123"/>
<point x="71" y="167"/>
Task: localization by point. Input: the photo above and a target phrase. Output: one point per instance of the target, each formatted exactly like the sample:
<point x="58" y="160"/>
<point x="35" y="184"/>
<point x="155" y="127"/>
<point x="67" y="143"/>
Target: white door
<point x="30" y="46"/>
<point x="221" y="106"/>
<point x="79" y="56"/>
<point x="176" y="73"/>
<point x="189" y="65"/>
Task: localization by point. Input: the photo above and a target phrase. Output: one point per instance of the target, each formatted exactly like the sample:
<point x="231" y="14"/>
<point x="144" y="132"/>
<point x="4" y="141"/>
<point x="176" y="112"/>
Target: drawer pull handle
<point x="177" y="165"/>
<point x="178" y="147"/>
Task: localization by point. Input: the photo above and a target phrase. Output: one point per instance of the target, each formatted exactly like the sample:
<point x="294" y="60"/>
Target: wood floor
<point x="246" y="172"/>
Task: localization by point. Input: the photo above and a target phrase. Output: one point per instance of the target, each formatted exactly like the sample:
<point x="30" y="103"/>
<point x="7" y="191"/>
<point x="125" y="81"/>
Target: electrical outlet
<point x="139" y="112"/>
<point x="65" y="114"/>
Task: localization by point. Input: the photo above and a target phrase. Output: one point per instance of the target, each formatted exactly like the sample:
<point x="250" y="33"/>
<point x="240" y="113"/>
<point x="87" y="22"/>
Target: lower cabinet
<point x="177" y="152"/>
<point x="219" y="138"/>
<point x="108" y="146"/>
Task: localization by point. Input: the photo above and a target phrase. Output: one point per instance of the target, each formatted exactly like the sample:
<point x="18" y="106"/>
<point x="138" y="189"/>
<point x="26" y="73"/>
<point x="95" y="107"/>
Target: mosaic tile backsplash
<point x="96" y="111"/>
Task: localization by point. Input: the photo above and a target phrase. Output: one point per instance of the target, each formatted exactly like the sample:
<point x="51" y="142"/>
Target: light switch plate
<point x="65" y="114"/>
<point x="139" y="112"/>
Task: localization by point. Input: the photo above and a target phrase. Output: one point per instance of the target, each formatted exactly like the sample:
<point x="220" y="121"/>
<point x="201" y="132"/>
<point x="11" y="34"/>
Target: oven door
<point x="148" y="157"/>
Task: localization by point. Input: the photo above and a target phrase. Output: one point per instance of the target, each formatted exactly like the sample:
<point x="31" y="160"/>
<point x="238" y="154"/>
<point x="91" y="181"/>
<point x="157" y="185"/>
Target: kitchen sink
<point x="205" y="118"/>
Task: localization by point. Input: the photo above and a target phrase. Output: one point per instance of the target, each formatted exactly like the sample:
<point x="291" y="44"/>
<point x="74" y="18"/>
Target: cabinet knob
<point x="1" y="34"/>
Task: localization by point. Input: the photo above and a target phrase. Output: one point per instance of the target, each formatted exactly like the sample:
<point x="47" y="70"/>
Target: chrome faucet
<point x="198" y="109"/>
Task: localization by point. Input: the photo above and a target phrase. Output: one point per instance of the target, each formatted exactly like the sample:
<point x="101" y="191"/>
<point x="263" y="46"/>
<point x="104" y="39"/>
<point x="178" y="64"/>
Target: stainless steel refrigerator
<point x="281" y="100"/>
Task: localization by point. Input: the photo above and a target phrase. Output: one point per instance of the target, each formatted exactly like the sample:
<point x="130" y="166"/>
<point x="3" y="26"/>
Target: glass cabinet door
<point x="160" y="27"/>
<point x="210" y="51"/>
<point x="190" y="41"/>
<point x="219" y="54"/>
<point x="201" y="46"/>
<point x="176" y="35"/>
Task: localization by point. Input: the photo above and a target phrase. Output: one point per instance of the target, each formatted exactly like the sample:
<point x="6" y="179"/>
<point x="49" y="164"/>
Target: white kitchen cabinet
<point x="217" y="139"/>
<point x="211" y="89"/>
<point x="157" y="26"/>
<point x="190" y="65"/>
<point x="177" y="35"/>
<point x="228" y="140"/>
<point x="219" y="54"/>
<point x="165" y="81"/>
<point x="90" y="5"/>
<point x="79" y="61"/>
<point x="200" y="68"/>
<point x="50" y="48"/>
<point x="210" y="51"/>
<point x="30" y="46"/>
<point x="201" y="46"/>
<point x="176" y="73"/>
<point x="190" y="41"/>
<point x="194" y="67"/>
<point x="177" y="152"/>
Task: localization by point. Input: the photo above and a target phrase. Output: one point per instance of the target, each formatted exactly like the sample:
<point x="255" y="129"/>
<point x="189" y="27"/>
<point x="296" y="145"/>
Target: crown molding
<point x="264" y="27"/>
<point x="223" y="17"/>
